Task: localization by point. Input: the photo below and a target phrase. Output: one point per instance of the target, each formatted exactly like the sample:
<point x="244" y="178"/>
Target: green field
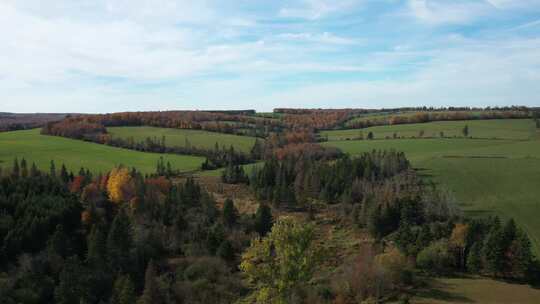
<point x="476" y="290"/>
<point x="41" y="149"/>
<point x="498" y="128"/>
<point x="487" y="176"/>
<point x="179" y="137"/>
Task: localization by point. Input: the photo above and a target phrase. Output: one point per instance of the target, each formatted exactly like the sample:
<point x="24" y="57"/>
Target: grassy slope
<point x="499" y="128"/>
<point x="98" y="158"/>
<point x="475" y="290"/>
<point x="506" y="186"/>
<point x="177" y="137"/>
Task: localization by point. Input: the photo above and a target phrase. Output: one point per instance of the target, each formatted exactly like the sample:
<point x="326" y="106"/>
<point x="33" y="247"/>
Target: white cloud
<point x="325" y="38"/>
<point x="446" y="12"/>
<point x="515" y="4"/>
<point x="316" y="9"/>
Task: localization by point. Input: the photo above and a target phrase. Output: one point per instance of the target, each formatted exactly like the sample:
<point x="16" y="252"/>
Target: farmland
<point x="488" y="129"/>
<point x="41" y="149"/>
<point x="476" y="290"/>
<point x="487" y="176"/>
<point x="183" y="137"/>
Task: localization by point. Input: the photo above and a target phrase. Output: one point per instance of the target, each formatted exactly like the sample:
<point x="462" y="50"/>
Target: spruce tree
<point x="119" y="242"/>
<point x="123" y="291"/>
<point x="24" y="168"/>
<point x="230" y="214"/>
<point x="151" y="293"/>
<point x="15" y="172"/>
<point x="263" y="220"/>
<point x="52" y="170"/>
<point x="474" y="259"/>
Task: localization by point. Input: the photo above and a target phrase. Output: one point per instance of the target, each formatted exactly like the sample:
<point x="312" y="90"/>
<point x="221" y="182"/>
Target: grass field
<point x="498" y="128"/>
<point x="178" y="137"/>
<point x="487" y="176"/>
<point x="476" y="290"/>
<point x="41" y="149"/>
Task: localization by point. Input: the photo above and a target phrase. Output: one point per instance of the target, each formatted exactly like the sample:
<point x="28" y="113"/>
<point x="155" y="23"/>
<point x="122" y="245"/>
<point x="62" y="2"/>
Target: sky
<point x="98" y="56"/>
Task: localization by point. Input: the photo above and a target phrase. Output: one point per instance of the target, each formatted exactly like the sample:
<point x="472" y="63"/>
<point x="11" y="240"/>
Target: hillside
<point x="488" y="176"/>
<point x="34" y="147"/>
<point x="183" y="137"/>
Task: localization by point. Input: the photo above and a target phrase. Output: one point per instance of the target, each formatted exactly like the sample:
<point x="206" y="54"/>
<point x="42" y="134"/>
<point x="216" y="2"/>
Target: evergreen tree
<point x="230" y="214"/>
<point x="24" y="168"/>
<point x="123" y="291"/>
<point x="474" y="259"/>
<point x="151" y="293"/>
<point x="64" y="176"/>
<point x="97" y="246"/>
<point x="226" y="251"/>
<point x="465" y="131"/>
<point x="15" y="172"/>
<point x="58" y="243"/>
<point x="494" y="251"/>
<point x="52" y="170"/>
<point x="34" y="170"/>
<point x="71" y="288"/>
<point x="521" y="256"/>
<point x="263" y="219"/>
<point x="119" y="242"/>
<point x="370" y="135"/>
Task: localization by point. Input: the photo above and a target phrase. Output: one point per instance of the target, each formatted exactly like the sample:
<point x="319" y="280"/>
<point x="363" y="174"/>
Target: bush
<point x="435" y="258"/>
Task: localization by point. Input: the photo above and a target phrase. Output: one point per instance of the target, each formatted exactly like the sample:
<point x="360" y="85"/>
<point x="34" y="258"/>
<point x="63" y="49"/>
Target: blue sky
<point x="120" y="55"/>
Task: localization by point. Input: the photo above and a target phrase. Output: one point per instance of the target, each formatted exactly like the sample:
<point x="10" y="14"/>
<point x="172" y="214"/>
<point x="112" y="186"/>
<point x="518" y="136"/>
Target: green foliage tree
<point x="263" y="219"/>
<point x="435" y="258"/>
<point x="282" y="263"/>
<point x="230" y="214"/>
<point x="465" y="131"/>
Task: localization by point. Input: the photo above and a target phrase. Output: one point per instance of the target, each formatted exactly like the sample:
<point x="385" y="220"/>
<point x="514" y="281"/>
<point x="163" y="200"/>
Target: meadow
<point x="41" y="149"/>
<point x="181" y="137"/>
<point x="488" y="129"/>
<point x="497" y="177"/>
<point x="475" y="290"/>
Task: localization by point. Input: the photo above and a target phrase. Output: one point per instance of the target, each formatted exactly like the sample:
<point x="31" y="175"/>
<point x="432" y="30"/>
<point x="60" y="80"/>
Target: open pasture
<point x="183" y="137"/>
<point x="519" y="129"/>
<point x="499" y="176"/>
<point x="41" y="149"/>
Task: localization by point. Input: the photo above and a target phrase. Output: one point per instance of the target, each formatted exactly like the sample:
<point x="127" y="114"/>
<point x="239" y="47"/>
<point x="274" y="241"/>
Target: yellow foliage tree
<point x="458" y="242"/>
<point x="120" y="185"/>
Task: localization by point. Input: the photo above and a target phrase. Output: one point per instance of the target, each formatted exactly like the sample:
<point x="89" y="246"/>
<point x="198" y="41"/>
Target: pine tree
<point x="58" y="242"/>
<point x="15" y="172"/>
<point x="24" y="168"/>
<point x="465" y="131"/>
<point x="230" y="214"/>
<point x="34" y="170"/>
<point x="123" y="291"/>
<point x="226" y="251"/>
<point x="97" y="246"/>
<point x="64" y="176"/>
<point x="151" y="293"/>
<point x="521" y="255"/>
<point x="263" y="220"/>
<point x="52" y="170"/>
<point x="119" y="242"/>
<point x="493" y="251"/>
<point x="474" y="259"/>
